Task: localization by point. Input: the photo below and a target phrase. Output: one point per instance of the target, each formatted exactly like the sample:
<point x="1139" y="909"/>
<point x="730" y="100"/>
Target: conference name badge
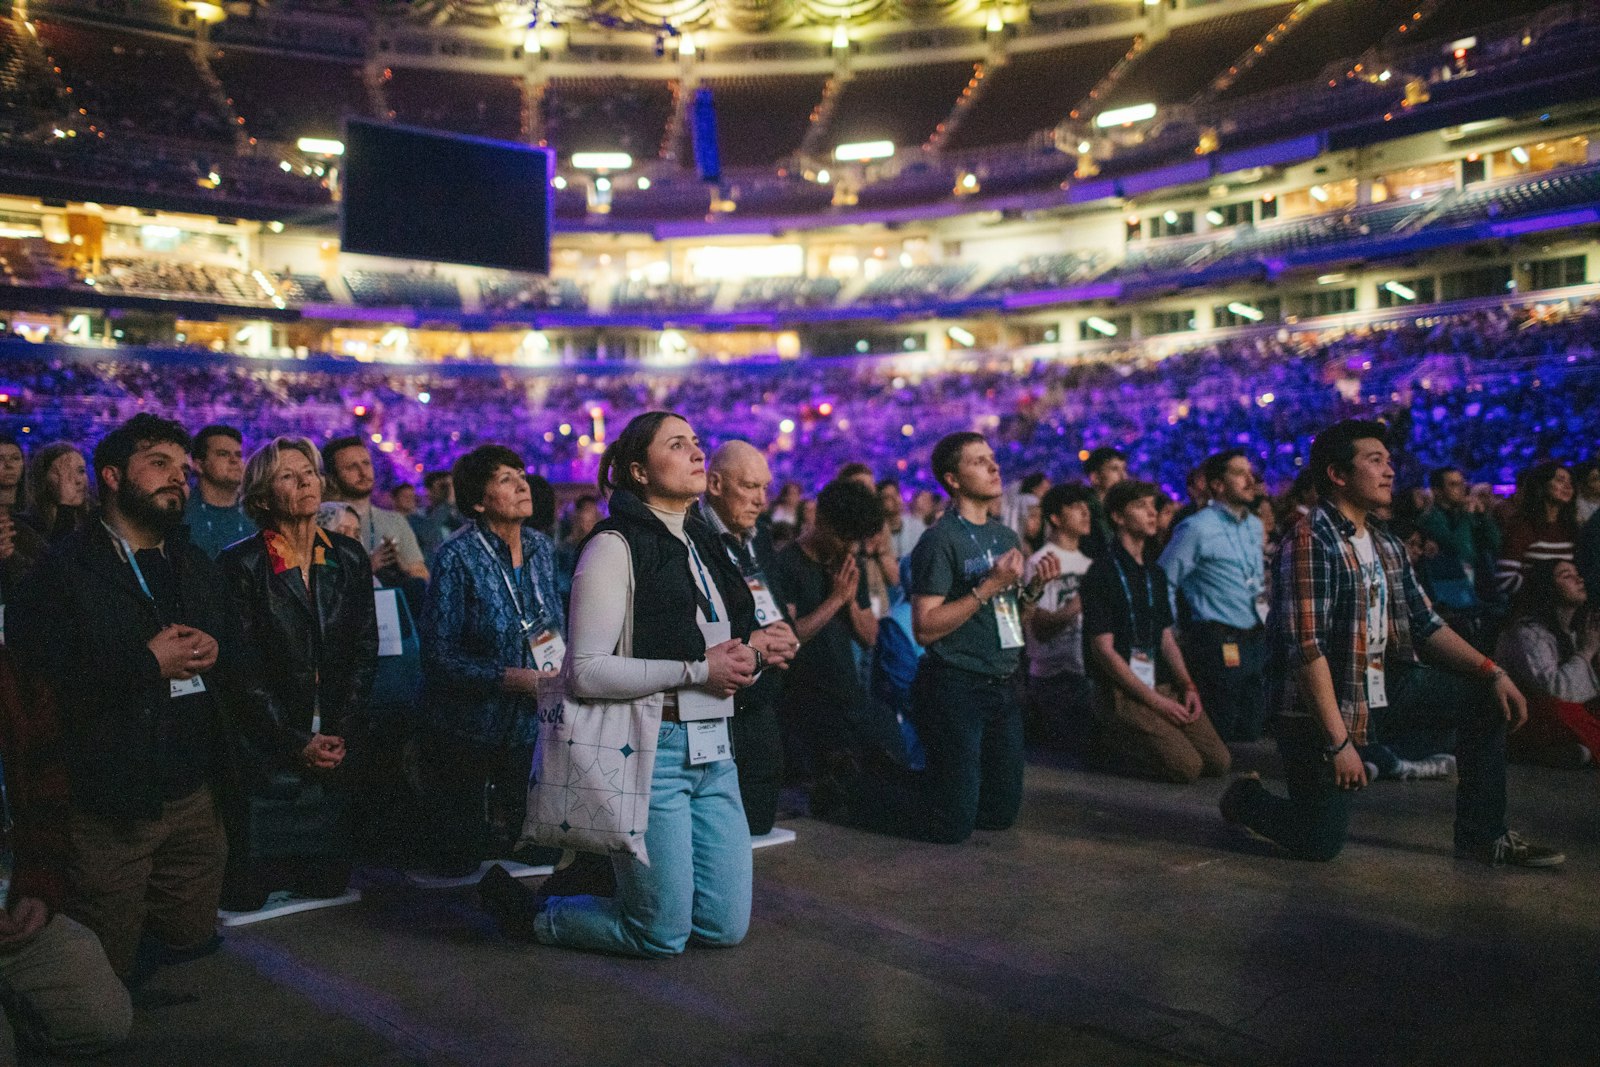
<point x="1009" y="619"/>
<point x="549" y="650"/>
<point x="1143" y="665"/>
<point x="181" y="687"/>
<point x="708" y="742"/>
<point x="767" y="611"/>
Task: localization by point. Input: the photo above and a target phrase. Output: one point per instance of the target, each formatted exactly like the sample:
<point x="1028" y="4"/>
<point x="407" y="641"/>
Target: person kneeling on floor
<point x="1347" y="623"/>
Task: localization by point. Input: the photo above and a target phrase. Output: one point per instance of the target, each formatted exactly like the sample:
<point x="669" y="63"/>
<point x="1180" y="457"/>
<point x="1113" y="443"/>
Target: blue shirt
<point x="1216" y="560"/>
<point x="472" y="630"/>
<point x="213" y="529"/>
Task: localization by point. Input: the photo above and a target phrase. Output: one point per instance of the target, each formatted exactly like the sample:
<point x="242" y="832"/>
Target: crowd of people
<point x="232" y="674"/>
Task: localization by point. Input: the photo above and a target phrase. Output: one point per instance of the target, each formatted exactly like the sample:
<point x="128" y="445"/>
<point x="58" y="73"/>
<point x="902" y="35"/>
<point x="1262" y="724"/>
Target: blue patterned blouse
<point x="471" y="632"/>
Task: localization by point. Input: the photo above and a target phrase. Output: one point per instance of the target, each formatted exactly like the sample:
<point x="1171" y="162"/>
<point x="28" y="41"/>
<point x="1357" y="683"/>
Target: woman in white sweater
<point x="1551" y="649"/>
<point x="692" y="618"/>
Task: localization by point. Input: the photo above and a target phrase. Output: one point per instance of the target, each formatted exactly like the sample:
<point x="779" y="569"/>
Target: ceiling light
<point x="861" y="151"/>
<point x="1124" y="116"/>
<point x="320" y="146"/>
<point x="602" y="160"/>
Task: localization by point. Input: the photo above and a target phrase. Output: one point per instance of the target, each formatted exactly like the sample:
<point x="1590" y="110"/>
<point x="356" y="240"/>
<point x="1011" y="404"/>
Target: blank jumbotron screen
<point x="414" y="194"/>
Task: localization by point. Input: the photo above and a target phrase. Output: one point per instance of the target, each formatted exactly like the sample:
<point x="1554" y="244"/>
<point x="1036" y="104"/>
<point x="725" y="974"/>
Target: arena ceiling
<point x="745" y="16"/>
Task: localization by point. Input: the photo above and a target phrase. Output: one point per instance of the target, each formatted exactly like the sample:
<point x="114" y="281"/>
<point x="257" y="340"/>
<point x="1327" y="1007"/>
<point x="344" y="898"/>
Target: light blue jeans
<point x="697" y="886"/>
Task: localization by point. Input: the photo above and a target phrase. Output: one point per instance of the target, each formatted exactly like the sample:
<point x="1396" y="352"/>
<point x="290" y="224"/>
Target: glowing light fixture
<point x="559" y="182"/>
<point x="822" y="177"/>
<point x="1404" y="292"/>
<point x="1520" y="154"/>
<point x="1214" y="217"/>
<point x="861" y="151"/>
<point x="997" y="22"/>
<point x="602" y="160"/>
<point x="1319" y="194"/>
<point x="1125" y="116"/>
<point x="207" y="12"/>
<point x="841" y="38"/>
<point x="320" y="146"/>
<point x="1245" y="311"/>
<point x="686" y="45"/>
<point x="961" y="336"/>
<point x="1101" y="326"/>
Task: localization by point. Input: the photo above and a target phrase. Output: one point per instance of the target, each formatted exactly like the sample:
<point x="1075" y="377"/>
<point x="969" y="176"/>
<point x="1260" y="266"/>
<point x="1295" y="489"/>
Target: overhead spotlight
<point x="841" y="38"/>
<point x="1101" y="326"/>
<point x="1245" y="311"/>
<point x="862" y="151"/>
<point x="602" y="160"/>
<point x="1125" y="116"/>
<point x="1404" y="292"/>
<point x="1520" y="154"/>
<point x="320" y="146"/>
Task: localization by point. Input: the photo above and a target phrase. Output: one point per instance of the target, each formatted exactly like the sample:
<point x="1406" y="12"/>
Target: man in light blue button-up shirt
<point x="1216" y="560"/>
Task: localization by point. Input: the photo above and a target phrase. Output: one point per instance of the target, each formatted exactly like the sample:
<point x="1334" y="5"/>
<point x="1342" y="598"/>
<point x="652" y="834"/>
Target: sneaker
<point x="513" y="905"/>
<point x="1429" y="768"/>
<point x="1233" y="797"/>
<point x="1512" y="850"/>
<point x="1372" y="771"/>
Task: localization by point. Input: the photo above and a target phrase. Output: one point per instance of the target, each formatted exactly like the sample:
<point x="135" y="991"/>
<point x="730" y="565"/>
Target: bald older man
<point x="736" y="496"/>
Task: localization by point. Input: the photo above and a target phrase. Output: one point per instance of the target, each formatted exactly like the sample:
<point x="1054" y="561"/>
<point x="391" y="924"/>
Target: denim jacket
<point x="471" y="633"/>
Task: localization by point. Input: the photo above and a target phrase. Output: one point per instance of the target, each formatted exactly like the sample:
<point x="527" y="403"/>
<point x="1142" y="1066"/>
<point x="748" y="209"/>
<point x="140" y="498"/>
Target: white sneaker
<point x="1372" y="771"/>
<point x="1440" y="766"/>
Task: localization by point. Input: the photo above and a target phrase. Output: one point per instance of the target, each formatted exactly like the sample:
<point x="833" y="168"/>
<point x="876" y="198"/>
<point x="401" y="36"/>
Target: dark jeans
<point x="1235" y="698"/>
<point x="971" y="730"/>
<point x="1314" y="821"/>
<point x="758" y="755"/>
<point x="1061" y="712"/>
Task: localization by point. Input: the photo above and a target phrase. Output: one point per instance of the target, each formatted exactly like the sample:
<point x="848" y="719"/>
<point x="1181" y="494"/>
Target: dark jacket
<point x="307" y="649"/>
<point x="664" y="593"/>
<point x="769" y="684"/>
<point x="36" y="793"/>
<point x="81" y="625"/>
<point x="471" y="634"/>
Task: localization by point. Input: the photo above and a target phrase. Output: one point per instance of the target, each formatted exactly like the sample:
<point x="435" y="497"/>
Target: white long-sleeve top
<point x="599" y="606"/>
<point x="1529" y="653"/>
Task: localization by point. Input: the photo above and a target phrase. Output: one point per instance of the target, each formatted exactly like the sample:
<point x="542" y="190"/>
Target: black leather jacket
<point x="309" y="650"/>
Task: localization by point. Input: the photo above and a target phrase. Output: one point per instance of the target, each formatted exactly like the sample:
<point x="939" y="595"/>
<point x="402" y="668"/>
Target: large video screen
<point x="419" y="194"/>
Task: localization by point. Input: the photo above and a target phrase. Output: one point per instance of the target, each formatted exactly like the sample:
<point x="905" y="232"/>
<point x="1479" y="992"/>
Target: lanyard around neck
<point x="132" y="560"/>
<point x="703" y="593"/>
<point x="511" y="589"/>
<point x="1149" y="600"/>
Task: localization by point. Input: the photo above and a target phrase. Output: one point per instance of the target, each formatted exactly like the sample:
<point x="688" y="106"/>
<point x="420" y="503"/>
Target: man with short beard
<point x="135" y="631"/>
<point x="386" y="535"/>
<point x="213" y="513"/>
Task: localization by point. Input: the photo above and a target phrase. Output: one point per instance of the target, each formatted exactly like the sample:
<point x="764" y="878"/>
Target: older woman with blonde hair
<point x="305" y="597"/>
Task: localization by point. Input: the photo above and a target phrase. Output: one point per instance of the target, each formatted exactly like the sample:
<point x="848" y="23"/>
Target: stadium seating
<point x="479" y="104"/>
<point x="606" y="115"/>
<point x="922" y="97"/>
<point x="178" y="278"/>
<point x="1573" y="187"/>
<point x="1033" y="91"/>
<point x="110" y="74"/>
<point x="788" y="293"/>
<point x="915" y="285"/>
<point x="529" y="293"/>
<point x="26" y="97"/>
<point x="760" y="120"/>
<point x="1269" y="394"/>
<point x="298" y="289"/>
<point x="667" y="296"/>
<point x="1183" y="63"/>
<point x="1327" y="33"/>
<point x="285" y="97"/>
<point x="371" y="288"/>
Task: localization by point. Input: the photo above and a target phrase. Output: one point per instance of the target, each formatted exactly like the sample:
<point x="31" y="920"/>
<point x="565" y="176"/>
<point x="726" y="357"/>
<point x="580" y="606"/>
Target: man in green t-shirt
<point x="966" y="606"/>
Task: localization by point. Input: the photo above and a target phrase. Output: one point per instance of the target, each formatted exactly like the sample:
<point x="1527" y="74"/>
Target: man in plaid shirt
<point x="1348" y="623"/>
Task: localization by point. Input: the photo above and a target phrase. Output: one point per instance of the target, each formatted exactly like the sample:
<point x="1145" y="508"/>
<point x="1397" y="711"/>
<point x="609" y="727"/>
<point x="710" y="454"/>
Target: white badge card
<point x="549" y="650"/>
<point x="1263" y="605"/>
<point x="708" y="742"/>
<point x="1143" y="665"/>
<point x="767" y="611"/>
<point x="388" y="622"/>
<point x="1377" y="694"/>
<point x="695" y="705"/>
<point x="1009" y="619"/>
<point x="182" y="688"/>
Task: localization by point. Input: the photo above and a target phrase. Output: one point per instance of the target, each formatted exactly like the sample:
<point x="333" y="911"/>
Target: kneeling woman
<point x="692" y="613"/>
<point x="311" y="625"/>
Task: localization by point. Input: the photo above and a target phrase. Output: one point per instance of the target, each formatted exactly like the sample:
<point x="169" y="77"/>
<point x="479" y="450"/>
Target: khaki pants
<point x="1141" y="742"/>
<point x="158" y="876"/>
<point x="60" y="995"/>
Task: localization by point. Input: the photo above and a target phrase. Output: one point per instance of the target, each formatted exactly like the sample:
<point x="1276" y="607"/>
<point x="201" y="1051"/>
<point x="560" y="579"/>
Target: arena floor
<point x="1121" y="923"/>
